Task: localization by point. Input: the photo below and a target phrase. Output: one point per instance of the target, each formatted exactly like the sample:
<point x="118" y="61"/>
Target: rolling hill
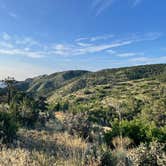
<point x="72" y="81"/>
<point x="91" y="108"/>
<point x="140" y="89"/>
<point x="94" y="91"/>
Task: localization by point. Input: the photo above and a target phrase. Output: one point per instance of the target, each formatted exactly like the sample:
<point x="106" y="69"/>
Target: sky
<point x="45" y="36"/>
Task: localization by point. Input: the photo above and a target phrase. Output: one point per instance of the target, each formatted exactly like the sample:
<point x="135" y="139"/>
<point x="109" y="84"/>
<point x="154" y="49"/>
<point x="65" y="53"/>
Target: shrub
<point x="119" y="158"/>
<point x="152" y="155"/>
<point x="8" y="127"/>
<point x="138" y="130"/>
<point x="29" y="111"/>
<point x="78" y="125"/>
<point x="106" y="158"/>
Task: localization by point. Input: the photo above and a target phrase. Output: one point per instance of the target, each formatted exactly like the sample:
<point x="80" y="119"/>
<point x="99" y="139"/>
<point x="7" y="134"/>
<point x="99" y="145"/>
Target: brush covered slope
<point x="85" y="91"/>
<point x="46" y="84"/>
<point x="78" y="91"/>
<point x="72" y="81"/>
<point x="140" y="89"/>
<point x="110" y="117"/>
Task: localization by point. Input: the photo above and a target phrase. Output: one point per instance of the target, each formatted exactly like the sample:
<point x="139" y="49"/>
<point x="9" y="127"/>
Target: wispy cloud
<point x="84" y="44"/>
<point x="136" y="2"/>
<point x="68" y="50"/>
<point x="104" y="45"/>
<point x="7" y="10"/>
<point x="13" y="15"/>
<point x="104" y="37"/>
<point x="6" y="36"/>
<point x="29" y="47"/>
<point x="20" y="46"/>
<point x="125" y="54"/>
<point x="129" y="54"/>
<point x="21" y="52"/>
<point x="148" y="60"/>
<point x="82" y="39"/>
<point x="27" y="41"/>
<point x="95" y="38"/>
<point x="110" y="49"/>
<point x="101" y="5"/>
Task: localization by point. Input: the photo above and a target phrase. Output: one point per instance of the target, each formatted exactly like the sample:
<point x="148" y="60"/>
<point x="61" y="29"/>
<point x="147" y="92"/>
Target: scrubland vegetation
<point x="114" y="117"/>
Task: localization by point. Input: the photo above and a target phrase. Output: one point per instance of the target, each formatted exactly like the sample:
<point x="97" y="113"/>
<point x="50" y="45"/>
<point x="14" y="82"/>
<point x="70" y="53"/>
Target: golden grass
<point x="42" y="148"/>
<point x="60" y="116"/>
<point x="71" y="141"/>
<point x="15" y="157"/>
<point x="121" y="143"/>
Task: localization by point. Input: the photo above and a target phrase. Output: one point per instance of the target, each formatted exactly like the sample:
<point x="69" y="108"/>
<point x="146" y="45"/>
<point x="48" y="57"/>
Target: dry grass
<point x="60" y="116"/>
<point x="121" y="143"/>
<point x="41" y="148"/>
<point x="15" y="157"/>
<point x="71" y="141"/>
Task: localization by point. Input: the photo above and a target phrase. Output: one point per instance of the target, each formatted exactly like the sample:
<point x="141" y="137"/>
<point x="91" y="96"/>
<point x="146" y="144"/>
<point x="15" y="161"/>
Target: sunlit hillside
<point x="81" y="118"/>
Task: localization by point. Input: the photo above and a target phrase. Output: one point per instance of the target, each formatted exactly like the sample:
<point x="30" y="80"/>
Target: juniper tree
<point x="10" y="85"/>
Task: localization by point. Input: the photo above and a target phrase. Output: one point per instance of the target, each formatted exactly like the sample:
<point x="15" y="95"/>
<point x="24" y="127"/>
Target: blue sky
<point x="45" y="36"/>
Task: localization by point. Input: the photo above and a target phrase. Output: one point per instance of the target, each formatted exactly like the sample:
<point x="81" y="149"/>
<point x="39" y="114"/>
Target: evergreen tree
<point x="10" y="84"/>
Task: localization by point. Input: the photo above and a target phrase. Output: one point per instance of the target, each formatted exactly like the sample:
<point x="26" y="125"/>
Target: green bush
<point x="8" y="127"/>
<point x="106" y="159"/>
<point x="138" y="130"/>
<point x="29" y="111"/>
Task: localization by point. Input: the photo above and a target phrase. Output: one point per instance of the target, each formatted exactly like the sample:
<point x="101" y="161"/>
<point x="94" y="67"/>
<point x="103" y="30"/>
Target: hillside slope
<point x="46" y="84"/>
<point x="72" y="81"/>
<point x="140" y="90"/>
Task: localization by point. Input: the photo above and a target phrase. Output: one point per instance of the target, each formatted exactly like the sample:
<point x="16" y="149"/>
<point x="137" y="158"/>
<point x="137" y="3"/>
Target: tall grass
<point x="40" y="148"/>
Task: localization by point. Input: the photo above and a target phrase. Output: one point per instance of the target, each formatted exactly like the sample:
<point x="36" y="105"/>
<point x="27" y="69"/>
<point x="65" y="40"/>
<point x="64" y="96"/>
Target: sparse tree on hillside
<point x="42" y="103"/>
<point x="9" y="82"/>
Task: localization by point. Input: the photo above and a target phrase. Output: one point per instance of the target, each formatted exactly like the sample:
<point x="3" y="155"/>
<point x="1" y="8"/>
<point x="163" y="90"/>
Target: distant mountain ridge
<point x="73" y="80"/>
<point x="44" y="85"/>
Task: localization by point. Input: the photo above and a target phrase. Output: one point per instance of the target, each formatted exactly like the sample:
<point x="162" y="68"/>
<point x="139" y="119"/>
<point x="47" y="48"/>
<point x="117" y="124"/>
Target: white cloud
<point x="136" y="2"/>
<point x="101" y="5"/>
<point x="98" y="48"/>
<point x="21" y="52"/>
<point x="95" y="38"/>
<point x="104" y="37"/>
<point x="84" y="44"/>
<point x="20" y="46"/>
<point x="129" y="54"/>
<point x="6" y="36"/>
<point x="6" y="45"/>
<point x="27" y="46"/>
<point x="68" y="50"/>
<point x="105" y="44"/>
<point x="148" y="36"/>
<point x="27" y="41"/>
<point x="125" y="54"/>
<point x="81" y="39"/>
<point x="134" y="36"/>
<point x="149" y="60"/>
<point x="111" y="51"/>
